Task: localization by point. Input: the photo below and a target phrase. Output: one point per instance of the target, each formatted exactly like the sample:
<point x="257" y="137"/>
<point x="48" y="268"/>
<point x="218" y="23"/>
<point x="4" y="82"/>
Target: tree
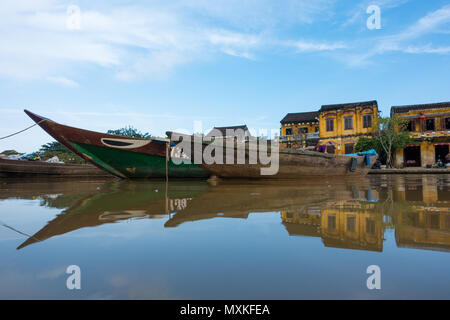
<point x="53" y="146"/>
<point x="130" y="132"/>
<point x="365" y="143"/>
<point x="390" y="134"/>
<point x="51" y="149"/>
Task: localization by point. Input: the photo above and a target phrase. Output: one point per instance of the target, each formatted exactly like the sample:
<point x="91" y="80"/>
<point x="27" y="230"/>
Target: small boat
<point x="121" y="156"/>
<point x="292" y="164"/>
<point x="42" y="169"/>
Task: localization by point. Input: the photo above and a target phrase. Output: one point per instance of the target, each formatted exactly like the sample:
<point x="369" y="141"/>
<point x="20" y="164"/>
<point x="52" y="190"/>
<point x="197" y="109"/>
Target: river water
<point x="312" y="239"/>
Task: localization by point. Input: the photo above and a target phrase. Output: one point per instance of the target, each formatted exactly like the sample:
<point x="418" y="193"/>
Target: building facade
<point x="337" y="126"/>
<point x="341" y="125"/>
<point x="300" y="129"/>
<point x="429" y="127"/>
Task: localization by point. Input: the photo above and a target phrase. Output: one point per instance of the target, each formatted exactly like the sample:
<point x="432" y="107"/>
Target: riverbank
<point x="410" y="171"/>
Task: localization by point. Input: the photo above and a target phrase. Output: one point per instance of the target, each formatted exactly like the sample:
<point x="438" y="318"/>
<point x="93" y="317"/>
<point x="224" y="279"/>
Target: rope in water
<point x="18" y="231"/>
<point x="13" y="134"/>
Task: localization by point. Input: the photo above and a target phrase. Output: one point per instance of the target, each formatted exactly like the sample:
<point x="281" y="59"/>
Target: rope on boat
<point x="13" y="134"/>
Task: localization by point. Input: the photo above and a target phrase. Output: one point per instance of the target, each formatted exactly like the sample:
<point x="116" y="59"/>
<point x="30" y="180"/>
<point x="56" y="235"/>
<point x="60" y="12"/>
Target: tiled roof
<point x="329" y="107"/>
<point x="415" y="107"/>
<point x="224" y="129"/>
<point x="300" y="117"/>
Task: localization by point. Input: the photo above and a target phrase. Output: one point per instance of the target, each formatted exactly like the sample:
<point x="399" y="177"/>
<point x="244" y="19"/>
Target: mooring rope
<point x="13" y="134"/>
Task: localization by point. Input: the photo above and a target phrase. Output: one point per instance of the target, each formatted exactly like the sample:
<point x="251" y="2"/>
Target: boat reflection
<point x="344" y="214"/>
<point x="116" y="201"/>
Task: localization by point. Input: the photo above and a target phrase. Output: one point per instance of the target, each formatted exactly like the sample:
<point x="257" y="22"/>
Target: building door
<point x="412" y="156"/>
<point x="349" y="147"/>
<point x="330" y="148"/>
<point x="441" y="151"/>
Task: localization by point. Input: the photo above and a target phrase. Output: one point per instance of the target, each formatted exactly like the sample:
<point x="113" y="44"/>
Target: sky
<point x="165" y="65"/>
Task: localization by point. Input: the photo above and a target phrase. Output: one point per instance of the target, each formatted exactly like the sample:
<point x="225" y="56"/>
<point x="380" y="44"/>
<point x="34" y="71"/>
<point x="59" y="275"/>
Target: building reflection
<point x="417" y="208"/>
<point x="425" y="223"/>
<point x="350" y="224"/>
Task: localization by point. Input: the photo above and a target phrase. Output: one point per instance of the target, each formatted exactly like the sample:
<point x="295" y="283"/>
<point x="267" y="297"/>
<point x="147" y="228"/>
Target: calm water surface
<point x="233" y="240"/>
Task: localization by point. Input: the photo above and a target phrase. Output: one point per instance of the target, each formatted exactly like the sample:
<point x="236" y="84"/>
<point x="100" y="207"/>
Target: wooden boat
<point x="42" y="169"/>
<point x="292" y="164"/>
<point x="121" y="156"/>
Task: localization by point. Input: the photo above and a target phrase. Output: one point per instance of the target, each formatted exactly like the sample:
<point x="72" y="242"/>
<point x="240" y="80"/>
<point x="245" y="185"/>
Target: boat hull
<point x="295" y="166"/>
<point x="121" y="156"/>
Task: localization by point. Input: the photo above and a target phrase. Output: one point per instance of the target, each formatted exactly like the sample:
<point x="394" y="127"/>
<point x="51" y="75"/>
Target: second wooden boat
<point x="286" y="163"/>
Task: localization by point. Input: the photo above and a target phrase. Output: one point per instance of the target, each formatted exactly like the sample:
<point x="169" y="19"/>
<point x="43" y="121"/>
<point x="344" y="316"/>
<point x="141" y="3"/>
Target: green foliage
<point x="390" y="134"/>
<point x="130" y="132"/>
<point x="365" y="144"/>
<point x="51" y="149"/>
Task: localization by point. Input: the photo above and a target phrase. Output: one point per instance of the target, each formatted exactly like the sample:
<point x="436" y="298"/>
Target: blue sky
<point x="161" y="65"/>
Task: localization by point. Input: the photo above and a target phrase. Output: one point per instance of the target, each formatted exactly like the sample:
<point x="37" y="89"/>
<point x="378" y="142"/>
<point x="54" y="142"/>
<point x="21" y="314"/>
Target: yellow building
<point x="340" y="125"/>
<point x="429" y="127"/>
<point x="300" y="129"/>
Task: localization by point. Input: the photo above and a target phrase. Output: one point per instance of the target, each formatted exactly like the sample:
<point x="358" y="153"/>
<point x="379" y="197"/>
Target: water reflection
<point x="345" y="214"/>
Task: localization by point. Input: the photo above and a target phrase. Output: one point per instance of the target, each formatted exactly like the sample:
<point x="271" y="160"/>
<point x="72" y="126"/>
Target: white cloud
<point x="64" y="82"/>
<point x="261" y="14"/>
<point x="136" y="40"/>
<point x="427" y="49"/>
<point x="131" y="41"/>
<point x="308" y="46"/>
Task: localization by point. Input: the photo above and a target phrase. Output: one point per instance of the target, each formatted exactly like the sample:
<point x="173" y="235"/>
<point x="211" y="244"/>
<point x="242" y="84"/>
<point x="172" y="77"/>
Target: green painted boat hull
<point x="129" y="164"/>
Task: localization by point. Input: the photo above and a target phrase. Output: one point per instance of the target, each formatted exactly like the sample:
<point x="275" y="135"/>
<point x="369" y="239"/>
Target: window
<point x="370" y="226"/>
<point x="367" y="121"/>
<point x="330" y="124"/>
<point x="349" y="148"/>
<point x="348" y="123"/>
<point x="332" y="222"/>
<point x="330" y="148"/>
<point x="303" y="130"/>
<point x="429" y="124"/>
<point x="317" y="128"/>
<point x="351" y="224"/>
<point x="412" y="125"/>
<point x="447" y="123"/>
<point x="289" y="131"/>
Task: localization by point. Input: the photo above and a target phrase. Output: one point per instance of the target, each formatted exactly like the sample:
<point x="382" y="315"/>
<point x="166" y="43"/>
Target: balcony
<point x="299" y="137"/>
<point x="430" y="134"/>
